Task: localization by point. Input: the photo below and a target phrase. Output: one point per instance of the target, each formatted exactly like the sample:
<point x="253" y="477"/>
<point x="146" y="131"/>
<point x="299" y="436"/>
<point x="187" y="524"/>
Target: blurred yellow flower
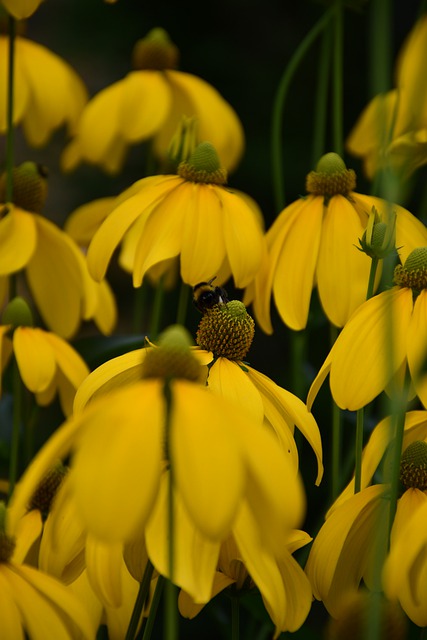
<point x="193" y="216"/>
<point x="48" y="93"/>
<point x="148" y="104"/>
<point x="313" y="242"/>
<point x="392" y="129"/>
<point x="360" y="363"/>
<point x="21" y="9"/>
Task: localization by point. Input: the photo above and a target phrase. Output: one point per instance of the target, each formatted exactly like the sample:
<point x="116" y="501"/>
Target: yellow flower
<point x="220" y="458"/>
<point x="34" y="602"/>
<point x="148" y="104"/>
<point x="47" y="364"/>
<point x="358" y="363"/>
<point x="313" y="242"/>
<point x="192" y="216"/>
<point x="283" y="585"/>
<point x="47" y="254"/>
<point x="21" y="9"/>
<point x="392" y="129"/>
<point x="345" y="550"/>
<point x="47" y="91"/>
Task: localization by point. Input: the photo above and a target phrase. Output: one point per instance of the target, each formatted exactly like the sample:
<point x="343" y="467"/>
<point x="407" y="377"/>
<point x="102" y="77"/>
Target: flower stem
<point x="141" y="599"/>
<point x="182" y="303"/>
<point x="279" y="102"/>
<point x="153" y="608"/>
<point x="156" y="313"/>
<point x="337" y="84"/>
<point x="320" y="112"/>
<point x="139" y="305"/>
<point x="16" y="426"/>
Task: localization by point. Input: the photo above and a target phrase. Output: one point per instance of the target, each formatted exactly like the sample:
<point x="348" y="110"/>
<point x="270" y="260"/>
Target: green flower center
<point x="413" y="466"/>
<point x="227" y="330"/>
<point x="203" y="166"/>
<point x="156" y="51"/>
<point x="331" y="177"/>
<point x="173" y="358"/>
<point x="413" y="274"/>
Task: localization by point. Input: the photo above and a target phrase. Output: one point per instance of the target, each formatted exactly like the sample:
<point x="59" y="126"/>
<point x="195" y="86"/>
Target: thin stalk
<point x="298" y="353"/>
<point x="279" y="102"/>
<point x="148" y="629"/>
<point x="321" y="100"/>
<point x="16" y="426"/>
<point x="139" y="306"/>
<point x="235" y="618"/>
<point x="171" y="591"/>
<point x="141" y="599"/>
<point x="159" y="298"/>
<point x="337" y="84"/>
<point x="184" y="294"/>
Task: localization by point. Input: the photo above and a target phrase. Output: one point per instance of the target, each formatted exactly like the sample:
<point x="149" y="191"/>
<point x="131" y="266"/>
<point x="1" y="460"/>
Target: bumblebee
<point x="206" y="296"/>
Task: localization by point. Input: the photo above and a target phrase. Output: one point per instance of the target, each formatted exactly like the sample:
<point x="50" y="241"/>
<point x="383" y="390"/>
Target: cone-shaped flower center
<point x="44" y="494"/>
<point x="413" y="466"/>
<point x="17" y="313"/>
<point x="226" y="330"/>
<point x="29" y="186"/>
<point x="413" y="274"/>
<point x="172" y="358"/>
<point x="7" y="544"/>
<point x="156" y="51"/>
<point x="203" y="166"/>
<point x="330" y="177"/>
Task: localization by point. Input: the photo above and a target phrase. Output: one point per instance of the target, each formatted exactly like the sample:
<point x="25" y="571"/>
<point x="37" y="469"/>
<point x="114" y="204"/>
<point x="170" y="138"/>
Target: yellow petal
<point x="342" y="270"/>
<point x="288" y="410"/>
<point x="30" y="529"/>
<point x="295" y="268"/>
<point x="21" y="9"/>
<point x="360" y="367"/>
<point x="104" y="565"/>
<point x="206" y="457"/>
<point x="417" y="346"/>
<point x="35" y="357"/>
<point x="21" y="92"/>
<point x="82" y="223"/>
<point x="203" y="245"/>
<point x="410" y="78"/>
<point x="228" y="380"/>
<point x="18" y="238"/>
<point x="127" y="432"/>
<point x="105" y="316"/>
<point x="195" y="556"/>
<point x="11" y="621"/>
<point x="188" y="608"/>
<point x="144" y="105"/>
<point x="114" y="373"/>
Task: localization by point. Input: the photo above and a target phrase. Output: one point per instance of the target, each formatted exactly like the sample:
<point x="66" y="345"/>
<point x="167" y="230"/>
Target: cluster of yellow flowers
<point x="175" y="466"/>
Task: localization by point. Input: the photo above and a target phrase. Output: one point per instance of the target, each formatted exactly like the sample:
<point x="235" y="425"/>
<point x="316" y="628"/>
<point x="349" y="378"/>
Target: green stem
<point x="9" y="115"/>
<point x="139" y="306"/>
<point x="399" y="406"/>
<point x="337" y="119"/>
<point x="141" y="599"/>
<point x="153" y="608"/>
<point x="279" y="102"/>
<point x="16" y="426"/>
<point x="321" y="102"/>
<point x="159" y="298"/>
<point x="184" y="294"/>
<point x="298" y="353"/>
<point x="171" y="591"/>
<point x="235" y="618"/>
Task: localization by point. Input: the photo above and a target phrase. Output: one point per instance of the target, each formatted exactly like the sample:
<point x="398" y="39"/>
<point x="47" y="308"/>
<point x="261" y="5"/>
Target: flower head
<point x="48" y="92"/>
<point x="21" y="9"/>
<point x="192" y="216"/>
<point x="313" y="242"/>
<point x="149" y="103"/>
<point x="358" y="363"/>
<point x="47" y="364"/>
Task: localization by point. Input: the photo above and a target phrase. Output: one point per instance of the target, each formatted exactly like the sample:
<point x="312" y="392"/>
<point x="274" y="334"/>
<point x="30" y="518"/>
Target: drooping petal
<point x="243" y="235"/>
<point x="114" y="373"/>
<point x="68" y="359"/>
<point x="203" y="246"/>
<point x="105" y="315"/>
<point x="207" y="458"/>
<point x="342" y="270"/>
<point x="82" y="223"/>
<point x="145" y="102"/>
<point x="294" y="276"/>
<point x="35" y="357"/>
<point x="291" y="410"/>
<point x="128" y="433"/>
<point x="188" y="608"/>
<point x="18" y="237"/>
<point x="362" y="362"/>
<point x="104" y="565"/>
<point x="21" y="90"/>
<point x="417" y="346"/>
<point x="195" y="555"/>
<point x="11" y="621"/>
<point x="228" y="379"/>
<point x="30" y="529"/>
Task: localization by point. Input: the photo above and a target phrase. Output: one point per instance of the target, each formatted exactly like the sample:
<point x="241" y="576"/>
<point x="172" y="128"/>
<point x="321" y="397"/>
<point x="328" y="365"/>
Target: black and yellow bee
<point x="206" y="296"/>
